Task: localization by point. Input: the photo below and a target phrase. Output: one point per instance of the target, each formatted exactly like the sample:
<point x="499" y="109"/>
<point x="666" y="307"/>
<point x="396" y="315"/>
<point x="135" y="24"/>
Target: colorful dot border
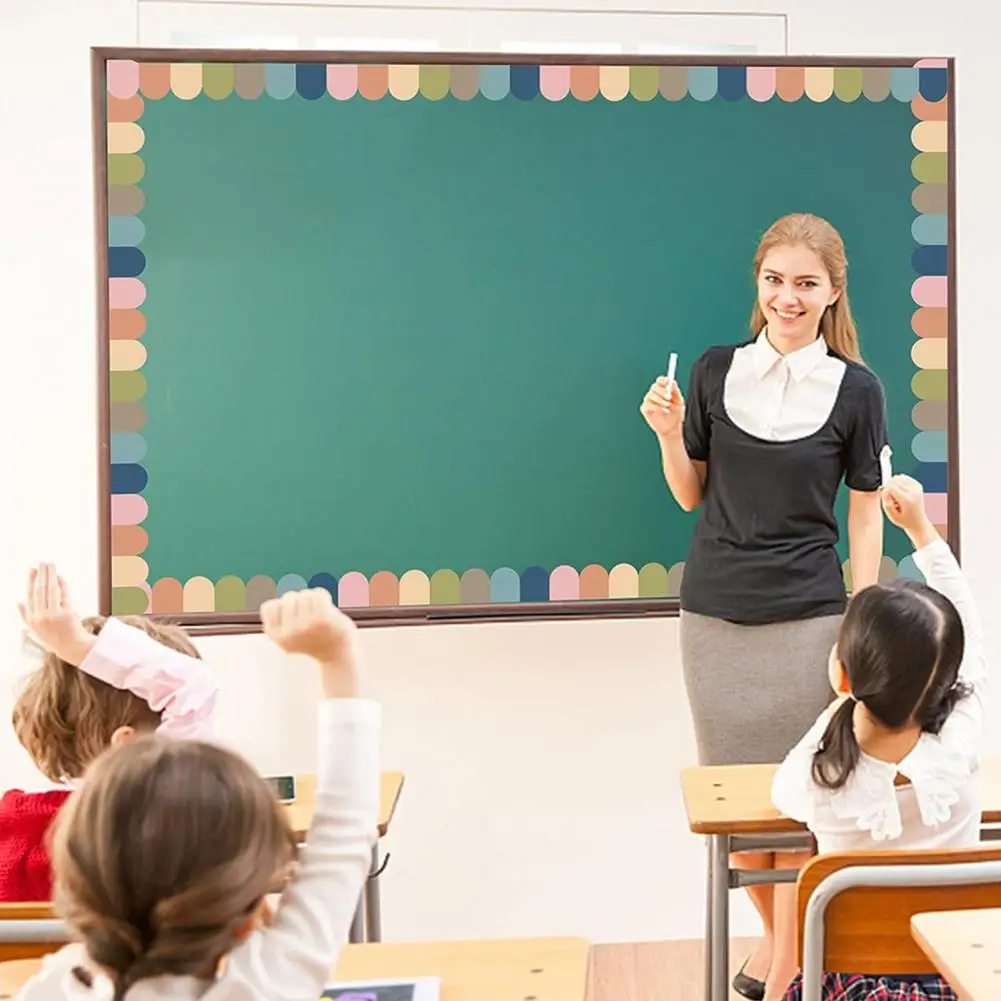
<point x="129" y="83"/>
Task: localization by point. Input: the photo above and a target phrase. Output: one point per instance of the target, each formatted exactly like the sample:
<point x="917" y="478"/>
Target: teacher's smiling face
<point x="794" y="289"/>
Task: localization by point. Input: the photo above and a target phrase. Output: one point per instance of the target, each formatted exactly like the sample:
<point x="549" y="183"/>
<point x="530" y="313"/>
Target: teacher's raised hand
<point x="663" y="407"/>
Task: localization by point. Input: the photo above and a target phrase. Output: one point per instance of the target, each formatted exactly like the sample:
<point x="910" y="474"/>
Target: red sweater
<point x="25" y="869"/>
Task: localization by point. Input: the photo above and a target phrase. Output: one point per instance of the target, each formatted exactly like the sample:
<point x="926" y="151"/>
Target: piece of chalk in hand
<point x="885" y="466"/>
<point x="672" y="367"/>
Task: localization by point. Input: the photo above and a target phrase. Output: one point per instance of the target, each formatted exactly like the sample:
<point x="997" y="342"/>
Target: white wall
<point x="542" y="759"/>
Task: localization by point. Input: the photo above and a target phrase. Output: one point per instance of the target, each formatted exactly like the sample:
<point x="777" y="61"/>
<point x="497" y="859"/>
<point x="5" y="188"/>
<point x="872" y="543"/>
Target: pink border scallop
<point x="126" y="293"/>
<point x="937" y="508"/>
<point x="128" y="509"/>
<point x="123" y="77"/>
<point x="342" y="81"/>
<point x="760" y="83"/>
<point x="564" y="584"/>
<point x="554" y="82"/>
<point x="931" y="290"/>
<point x="352" y="590"/>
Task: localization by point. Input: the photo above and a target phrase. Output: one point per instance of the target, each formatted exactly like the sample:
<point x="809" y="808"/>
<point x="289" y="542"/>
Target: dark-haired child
<point x="894" y="762"/>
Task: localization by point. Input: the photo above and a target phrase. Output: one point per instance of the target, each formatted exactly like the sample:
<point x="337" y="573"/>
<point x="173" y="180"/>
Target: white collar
<point x="937" y="771"/>
<point x="801" y="362"/>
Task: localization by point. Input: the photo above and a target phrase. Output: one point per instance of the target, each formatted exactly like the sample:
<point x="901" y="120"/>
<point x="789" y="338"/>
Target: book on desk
<point x="411" y="989"/>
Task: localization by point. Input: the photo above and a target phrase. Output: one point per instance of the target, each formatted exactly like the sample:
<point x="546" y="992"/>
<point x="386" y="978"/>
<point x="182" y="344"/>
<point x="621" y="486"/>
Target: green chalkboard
<point x="385" y="328"/>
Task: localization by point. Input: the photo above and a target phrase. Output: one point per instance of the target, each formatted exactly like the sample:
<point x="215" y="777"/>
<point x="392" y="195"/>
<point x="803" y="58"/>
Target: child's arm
<point x="903" y="501"/>
<point x="940" y="569"/>
<point x="294" y="957"/>
<point x="180" y="687"/>
<point x="964" y="728"/>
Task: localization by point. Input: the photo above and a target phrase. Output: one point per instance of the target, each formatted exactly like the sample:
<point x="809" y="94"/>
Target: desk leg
<point x="708" y="947"/>
<point x="720" y="865"/>
<point x="373" y="903"/>
<point x="357" y="931"/>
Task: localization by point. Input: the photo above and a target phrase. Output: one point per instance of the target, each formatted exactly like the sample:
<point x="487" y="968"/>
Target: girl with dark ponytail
<point x="895" y="760"/>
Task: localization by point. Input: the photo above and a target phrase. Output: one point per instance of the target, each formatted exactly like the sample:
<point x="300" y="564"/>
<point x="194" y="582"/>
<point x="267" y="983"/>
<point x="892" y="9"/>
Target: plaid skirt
<point x="861" y="987"/>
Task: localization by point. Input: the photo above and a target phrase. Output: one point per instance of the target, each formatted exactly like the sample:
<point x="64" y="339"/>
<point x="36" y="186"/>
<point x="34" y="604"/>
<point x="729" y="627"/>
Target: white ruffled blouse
<point x="940" y="807"/>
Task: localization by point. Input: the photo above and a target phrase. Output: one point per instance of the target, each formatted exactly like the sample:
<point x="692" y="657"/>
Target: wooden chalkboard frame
<point x="246" y="622"/>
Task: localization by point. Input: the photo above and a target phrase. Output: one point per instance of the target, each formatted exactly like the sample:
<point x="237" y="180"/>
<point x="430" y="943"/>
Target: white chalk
<point x="672" y="367"/>
<point x="885" y="466"/>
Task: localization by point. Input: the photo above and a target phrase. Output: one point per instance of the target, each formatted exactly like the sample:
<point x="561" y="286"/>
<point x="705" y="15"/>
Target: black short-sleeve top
<point x="764" y="546"/>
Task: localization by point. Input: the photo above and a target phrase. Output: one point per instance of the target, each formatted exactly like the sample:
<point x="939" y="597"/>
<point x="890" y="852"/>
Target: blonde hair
<point x="163" y="857"/>
<point x="804" y="230"/>
<point x="64" y="718"/>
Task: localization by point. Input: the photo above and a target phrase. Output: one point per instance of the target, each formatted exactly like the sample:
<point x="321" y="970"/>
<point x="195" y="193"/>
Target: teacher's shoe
<point x="748" y="987"/>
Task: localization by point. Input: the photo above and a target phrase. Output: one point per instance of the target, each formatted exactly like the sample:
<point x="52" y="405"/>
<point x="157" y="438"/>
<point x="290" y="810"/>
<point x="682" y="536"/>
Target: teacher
<point x="769" y="431"/>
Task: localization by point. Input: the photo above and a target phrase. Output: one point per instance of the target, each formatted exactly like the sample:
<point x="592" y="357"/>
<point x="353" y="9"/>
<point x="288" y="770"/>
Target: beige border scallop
<point x="415" y="588"/>
<point x="613" y="82"/>
<point x="125" y="137"/>
<point x="186" y="80"/>
<point x="129" y="571"/>
<point x="199" y="595"/>
<point x="127" y="356"/>
<point x="818" y="83"/>
<point x="624" y="581"/>
<point x="931" y="137"/>
<point x="930" y="352"/>
<point x="404" y="82"/>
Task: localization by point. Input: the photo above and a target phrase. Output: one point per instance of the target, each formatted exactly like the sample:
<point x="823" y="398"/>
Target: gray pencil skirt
<point x="754" y="691"/>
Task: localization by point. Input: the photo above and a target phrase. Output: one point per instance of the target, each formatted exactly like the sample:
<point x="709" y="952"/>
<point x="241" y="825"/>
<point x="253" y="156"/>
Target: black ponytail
<point x="838" y="753"/>
<point x="901" y="646"/>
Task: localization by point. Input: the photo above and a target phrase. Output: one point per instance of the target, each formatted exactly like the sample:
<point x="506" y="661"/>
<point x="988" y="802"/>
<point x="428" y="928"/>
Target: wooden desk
<point x="737" y="799"/>
<point x="966" y="948"/>
<point x="367" y="925"/>
<point x="732" y="806"/>
<point x="545" y="969"/>
<point x="300" y="810"/>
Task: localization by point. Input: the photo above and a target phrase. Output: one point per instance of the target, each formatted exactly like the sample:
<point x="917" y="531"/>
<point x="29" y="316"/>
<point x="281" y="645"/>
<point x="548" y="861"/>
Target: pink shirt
<point x="179" y="687"/>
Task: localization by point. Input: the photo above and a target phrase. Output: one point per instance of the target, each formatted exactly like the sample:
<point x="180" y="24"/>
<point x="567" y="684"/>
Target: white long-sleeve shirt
<point x="292" y="959"/>
<point x="941" y="806"/>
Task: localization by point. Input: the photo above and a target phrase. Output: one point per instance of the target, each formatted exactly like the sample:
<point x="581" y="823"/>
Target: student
<point x="894" y="762"/>
<point x="101" y="682"/>
<point x="164" y="855"/>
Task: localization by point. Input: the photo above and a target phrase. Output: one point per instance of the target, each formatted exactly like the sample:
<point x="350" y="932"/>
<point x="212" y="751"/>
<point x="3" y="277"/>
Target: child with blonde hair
<point x="164" y="855"/>
<point x="101" y="682"/>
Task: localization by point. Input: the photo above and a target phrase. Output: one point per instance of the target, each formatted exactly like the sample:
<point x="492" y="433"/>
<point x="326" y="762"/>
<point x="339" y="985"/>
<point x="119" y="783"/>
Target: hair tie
<point x="99" y="986"/>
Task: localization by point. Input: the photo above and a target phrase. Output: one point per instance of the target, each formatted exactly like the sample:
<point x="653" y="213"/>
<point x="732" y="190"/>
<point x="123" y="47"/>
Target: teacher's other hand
<point x="663" y="408"/>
